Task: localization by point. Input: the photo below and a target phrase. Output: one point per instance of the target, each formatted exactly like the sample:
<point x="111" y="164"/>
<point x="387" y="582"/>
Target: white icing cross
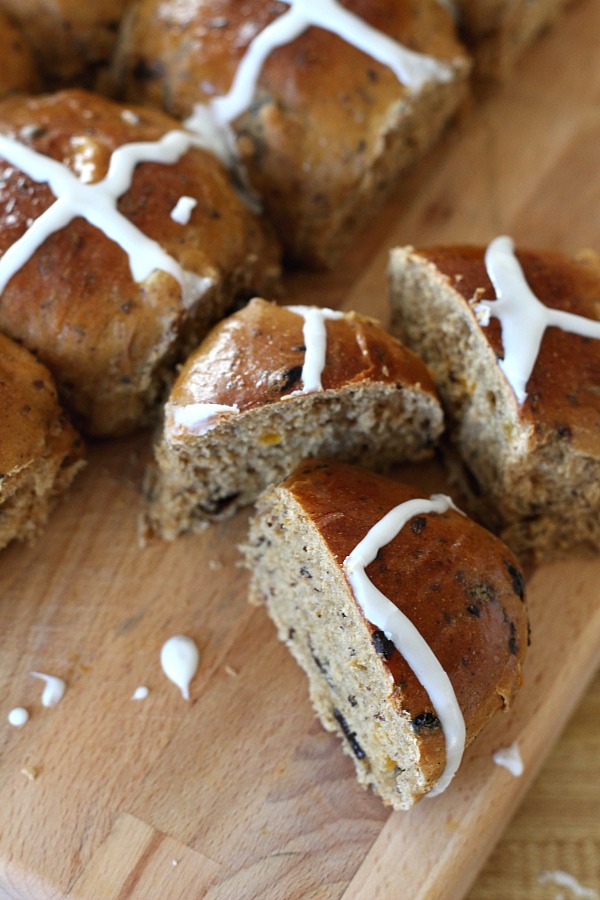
<point x="386" y="616"/>
<point x="97" y="203"/>
<point x="314" y="332"/>
<point x="412" y="69"/>
<point x="523" y="317"/>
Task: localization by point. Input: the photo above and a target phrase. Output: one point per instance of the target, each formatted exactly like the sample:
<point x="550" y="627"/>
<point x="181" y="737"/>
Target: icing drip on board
<point x="54" y="688"/>
<point x="140" y="693"/>
<point x="18" y="717"/>
<point x="385" y="616"/>
<point x="564" y="879"/>
<point x="412" y="69"/>
<point x="523" y="317"/>
<point x="97" y="203"/>
<point x="510" y="758"/>
<point x="179" y="658"/>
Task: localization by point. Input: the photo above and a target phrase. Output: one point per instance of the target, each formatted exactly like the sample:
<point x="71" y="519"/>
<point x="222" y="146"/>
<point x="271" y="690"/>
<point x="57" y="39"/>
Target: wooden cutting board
<point x="239" y="793"/>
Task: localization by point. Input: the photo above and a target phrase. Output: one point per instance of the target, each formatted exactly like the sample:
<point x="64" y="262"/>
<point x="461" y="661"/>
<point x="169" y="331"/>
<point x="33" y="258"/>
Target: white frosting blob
<point x="197" y="418"/>
<point x="179" y="658"/>
<point x="510" y="758"/>
<point x="140" y="693"/>
<point x="522" y="316"/>
<point x="18" y="716"/>
<point x="386" y="616"/>
<point x="212" y="120"/>
<point x="183" y="209"/>
<point x="314" y="333"/>
<point x="54" y="689"/>
<point x="97" y="203"/>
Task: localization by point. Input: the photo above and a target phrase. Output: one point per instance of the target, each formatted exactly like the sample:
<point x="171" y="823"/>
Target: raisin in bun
<point x="271" y="385"/>
<point x="410" y="641"/>
<point x="524" y="419"/>
<point x="112" y="300"/>
<point x="40" y="452"/>
<point x="328" y="129"/>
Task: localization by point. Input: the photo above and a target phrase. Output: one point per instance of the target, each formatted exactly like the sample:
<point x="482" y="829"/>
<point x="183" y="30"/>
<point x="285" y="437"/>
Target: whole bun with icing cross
<point x="407" y="617"/>
<point x="512" y="338"/>
<point x="324" y="103"/>
<point x="122" y="242"/>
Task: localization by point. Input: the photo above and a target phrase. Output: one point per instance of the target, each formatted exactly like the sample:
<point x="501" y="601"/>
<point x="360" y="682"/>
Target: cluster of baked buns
<point x="259" y="128"/>
<point x="141" y="210"/>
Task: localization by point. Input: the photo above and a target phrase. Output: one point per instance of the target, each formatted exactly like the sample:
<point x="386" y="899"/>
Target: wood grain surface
<point x="239" y="793"/>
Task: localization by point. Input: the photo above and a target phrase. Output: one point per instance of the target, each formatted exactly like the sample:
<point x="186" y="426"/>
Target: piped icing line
<point x="385" y="616"/>
<point x="314" y="334"/>
<point x="197" y="418"/>
<point x="97" y="203"/>
<point x="412" y="69"/>
<point x="523" y="317"/>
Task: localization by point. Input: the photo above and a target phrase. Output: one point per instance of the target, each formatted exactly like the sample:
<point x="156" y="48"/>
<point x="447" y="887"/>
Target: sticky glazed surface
<point x="106" y="338"/>
<point x="256" y="356"/>
<point x="196" y="52"/>
<point x="460" y="585"/>
<point x="564" y="388"/>
<point x="327" y="124"/>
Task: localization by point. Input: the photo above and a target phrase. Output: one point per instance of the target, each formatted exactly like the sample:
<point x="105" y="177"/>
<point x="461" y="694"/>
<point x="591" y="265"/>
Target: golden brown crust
<point x="460" y="585"/>
<point x="19" y="72"/>
<point x="71" y="39"/>
<point x="39" y="450"/>
<point x="106" y="338"/>
<point x="255" y="357"/>
<point x="562" y="391"/>
<point x="322" y="129"/>
<point x="29" y="407"/>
